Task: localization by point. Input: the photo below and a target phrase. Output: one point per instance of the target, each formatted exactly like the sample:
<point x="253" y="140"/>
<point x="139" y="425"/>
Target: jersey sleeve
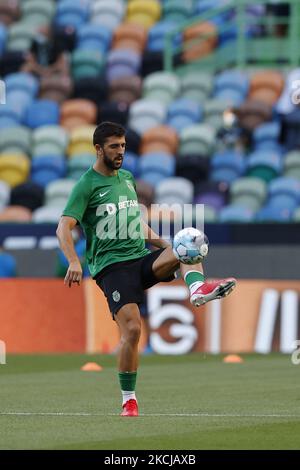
<point x="78" y="201"/>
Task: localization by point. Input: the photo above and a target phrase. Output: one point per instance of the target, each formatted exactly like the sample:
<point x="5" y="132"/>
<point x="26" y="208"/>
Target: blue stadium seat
<point x="157" y="33"/>
<point x="183" y="112"/>
<point x="122" y="63"/>
<point x="47" y="168"/>
<point x="264" y="164"/>
<point x="227" y="166"/>
<point x="231" y="85"/>
<point x="9" y="117"/>
<point x="42" y="113"/>
<point x="22" y="81"/>
<point x="155" y="167"/>
<point x="235" y="213"/>
<point x="130" y="163"/>
<point x="92" y="37"/>
<point x="284" y="193"/>
<point x="266" y="136"/>
<point x="270" y="213"/>
<point x="70" y="13"/>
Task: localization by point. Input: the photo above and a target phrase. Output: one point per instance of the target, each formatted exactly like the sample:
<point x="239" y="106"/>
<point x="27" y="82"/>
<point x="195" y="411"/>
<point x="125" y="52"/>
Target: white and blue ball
<point x="190" y="246"/>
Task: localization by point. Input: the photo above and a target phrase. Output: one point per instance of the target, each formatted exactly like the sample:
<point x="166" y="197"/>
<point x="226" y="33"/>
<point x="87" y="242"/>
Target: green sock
<point x="127" y="380"/>
<point x="193" y="280"/>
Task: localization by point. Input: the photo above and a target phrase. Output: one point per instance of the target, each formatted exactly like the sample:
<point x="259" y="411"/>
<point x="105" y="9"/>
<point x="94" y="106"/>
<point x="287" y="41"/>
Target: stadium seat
<point x="125" y="89"/>
<point x="130" y="36"/>
<point x="45" y="214"/>
<point x="81" y="141"/>
<point x="4" y="194"/>
<point x="9" y="12"/>
<point x="248" y="192"/>
<point x="192" y="167"/>
<point x="108" y="14"/>
<point x="145" y="192"/>
<point x="174" y="191"/>
<point x="10" y="117"/>
<point x="144" y="12"/>
<point x="155" y="167"/>
<point x="145" y="114"/>
<point x="266" y="86"/>
<point x="270" y="213"/>
<point x="70" y="13"/>
<point x="86" y="63"/>
<point x="77" y="112"/>
<point x="38" y="13"/>
<point x="291" y="130"/>
<point x="292" y="164"/>
<point x="159" y="139"/>
<point x="131" y="163"/>
<point x="231" y="86"/>
<point x="210" y="215"/>
<point x="14" y="168"/>
<point x="284" y="193"/>
<point x="264" y="164"/>
<point x="15" y="140"/>
<point x="49" y="140"/>
<point x="227" y="166"/>
<point x="79" y="164"/>
<point x="176" y="10"/>
<point x="236" y="214"/>
<point x="198" y="139"/>
<point x="253" y="113"/>
<point x="115" y="112"/>
<point x="133" y="141"/>
<point x="122" y="63"/>
<point x="157" y="33"/>
<point x="161" y="86"/>
<point x="47" y="168"/>
<point x="20" y="36"/>
<point x="267" y="136"/>
<point x="58" y="192"/>
<point x="211" y="193"/>
<point x="42" y="113"/>
<point x="56" y="88"/>
<point x="91" y="88"/>
<point x="183" y="112"/>
<point x="29" y="194"/>
<point x="213" y="112"/>
<point x="91" y="37"/>
<point x="196" y="86"/>
<point x="199" y="40"/>
<point x="15" y="214"/>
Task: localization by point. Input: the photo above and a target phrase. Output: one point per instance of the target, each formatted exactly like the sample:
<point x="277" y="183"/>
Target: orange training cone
<point x="91" y="366"/>
<point x="233" y="358"/>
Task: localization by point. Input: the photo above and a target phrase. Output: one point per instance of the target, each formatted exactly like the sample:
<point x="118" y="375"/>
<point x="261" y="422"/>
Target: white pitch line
<point x="180" y="415"/>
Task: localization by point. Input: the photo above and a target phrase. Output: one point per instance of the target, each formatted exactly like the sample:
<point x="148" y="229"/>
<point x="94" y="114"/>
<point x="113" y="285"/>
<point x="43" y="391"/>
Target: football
<point x="190" y="246"/>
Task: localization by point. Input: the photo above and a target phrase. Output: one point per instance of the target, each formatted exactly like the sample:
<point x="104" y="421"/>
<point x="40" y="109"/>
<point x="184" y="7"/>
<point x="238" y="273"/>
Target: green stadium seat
<point x="37" y="13"/>
<point x="248" y="192"/>
<point x="161" y="86"/>
<point x="198" y="139"/>
<point x="49" y="140"/>
<point x="292" y="164"/>
<point x="15" y="140"/>
<point x="79" y="164"/>
<point x="57" y="192"/>
<point x="213" y="112"/>
<point x="196" y="86"/>
<point x="86" y="63"/>
<point x="20" y="36"/>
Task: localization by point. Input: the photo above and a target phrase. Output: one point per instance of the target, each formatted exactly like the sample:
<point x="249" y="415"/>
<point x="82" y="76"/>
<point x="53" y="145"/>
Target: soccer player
<point x="104" y="202"/>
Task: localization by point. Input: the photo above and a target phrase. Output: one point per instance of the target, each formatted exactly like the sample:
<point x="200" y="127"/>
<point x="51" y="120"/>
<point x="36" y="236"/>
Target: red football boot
<point x="130" y="408"/>
<point x="211" y="290"/>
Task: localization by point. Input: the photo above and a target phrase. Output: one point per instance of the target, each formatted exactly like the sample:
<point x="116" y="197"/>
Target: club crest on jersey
<point x="130" y="185"/>
<point x="116" y="296"/>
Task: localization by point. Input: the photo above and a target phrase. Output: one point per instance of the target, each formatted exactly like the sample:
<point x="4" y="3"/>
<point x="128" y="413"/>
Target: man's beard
<point x="112" y="165"/>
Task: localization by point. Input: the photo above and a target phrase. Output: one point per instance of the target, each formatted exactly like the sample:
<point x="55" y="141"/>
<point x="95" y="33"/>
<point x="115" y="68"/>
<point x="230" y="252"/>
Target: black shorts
<point x="124" y="283"/>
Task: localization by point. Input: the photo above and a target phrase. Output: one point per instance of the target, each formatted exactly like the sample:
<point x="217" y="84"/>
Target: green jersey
<point x="108" y="211"/>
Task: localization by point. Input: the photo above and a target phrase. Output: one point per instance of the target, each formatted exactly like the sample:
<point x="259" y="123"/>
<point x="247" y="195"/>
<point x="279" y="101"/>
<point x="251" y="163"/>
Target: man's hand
<point x="74" y="273"/>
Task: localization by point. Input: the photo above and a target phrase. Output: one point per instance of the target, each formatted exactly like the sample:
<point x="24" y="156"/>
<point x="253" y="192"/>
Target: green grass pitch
<point x="186" y="402"/>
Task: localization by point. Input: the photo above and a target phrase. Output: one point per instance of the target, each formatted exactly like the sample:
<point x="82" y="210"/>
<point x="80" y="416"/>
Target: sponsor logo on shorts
<point x="116" y="296"/>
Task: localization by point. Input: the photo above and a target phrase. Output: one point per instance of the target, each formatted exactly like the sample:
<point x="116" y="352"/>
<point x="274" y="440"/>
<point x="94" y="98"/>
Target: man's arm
<point x="64" y="235"/>
<point x="153" y="238"/>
